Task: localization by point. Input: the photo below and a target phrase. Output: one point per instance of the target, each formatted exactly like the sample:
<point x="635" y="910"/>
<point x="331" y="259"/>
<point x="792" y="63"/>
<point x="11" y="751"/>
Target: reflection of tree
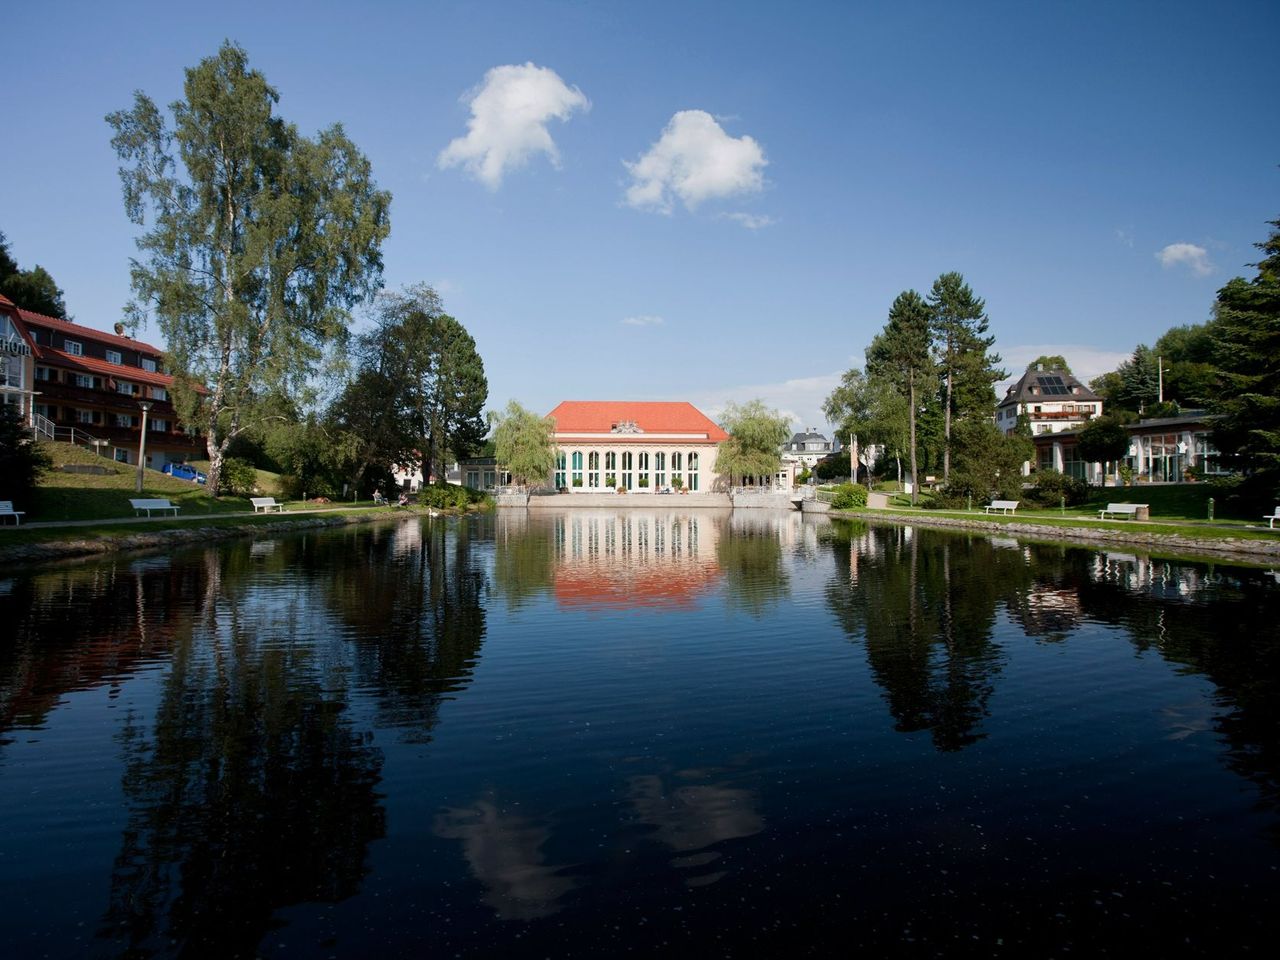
<point x="524" y="562"/>
<point x="504" y="851"/>
<point x="925" y="606"/>
<point x="415" y="612"/>
<point x="251" y="792"/>
<point x="749" y="554"/>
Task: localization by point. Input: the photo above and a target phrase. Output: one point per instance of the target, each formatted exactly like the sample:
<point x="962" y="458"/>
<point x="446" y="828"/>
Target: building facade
<point x="89" y="386"/>
<point x="1053" y="401"/>
<point x="17" y="368"/>
<point x="807" y="448"/>
<point x="1164" y="450"/>
<point x="638" y="446"/>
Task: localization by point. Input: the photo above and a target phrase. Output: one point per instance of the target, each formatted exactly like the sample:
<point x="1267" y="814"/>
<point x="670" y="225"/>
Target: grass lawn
<point x="80" y="496"/>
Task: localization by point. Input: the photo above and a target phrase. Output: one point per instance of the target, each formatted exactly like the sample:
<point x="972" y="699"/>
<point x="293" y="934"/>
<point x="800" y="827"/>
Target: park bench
<point x="1129" y="510"/>
<point x="6" y="510"/>
<point x="149" y="505"/>
<point x="1271" y="520"/>
<point x="1001" y="506"/>
<point x="266" y="503"/>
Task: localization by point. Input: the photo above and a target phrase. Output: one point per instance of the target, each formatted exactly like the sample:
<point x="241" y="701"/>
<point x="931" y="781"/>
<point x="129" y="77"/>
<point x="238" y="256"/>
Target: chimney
<point x="1040" y="368"/>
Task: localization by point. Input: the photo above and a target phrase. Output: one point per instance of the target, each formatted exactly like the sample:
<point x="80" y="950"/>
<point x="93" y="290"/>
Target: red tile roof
<point x="94" y="365"/>
<point x="89" y="333"/>
<point x="600" y="416"/>
<point x="5" y="301"/>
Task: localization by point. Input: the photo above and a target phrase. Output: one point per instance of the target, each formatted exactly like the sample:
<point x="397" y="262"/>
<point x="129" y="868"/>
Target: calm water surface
<point x="586" y="734"/>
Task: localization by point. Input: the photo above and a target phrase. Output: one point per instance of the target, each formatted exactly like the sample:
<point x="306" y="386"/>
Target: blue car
<point x="184" y="471"/>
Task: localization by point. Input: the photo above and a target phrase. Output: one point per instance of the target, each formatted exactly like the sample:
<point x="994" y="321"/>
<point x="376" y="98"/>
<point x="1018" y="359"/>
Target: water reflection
<point x="505" y="853"/>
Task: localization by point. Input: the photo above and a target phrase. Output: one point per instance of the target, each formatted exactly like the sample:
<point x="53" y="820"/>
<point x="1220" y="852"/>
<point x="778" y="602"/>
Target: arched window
<point x="642" y="464"/>
<point x="593" y="469"/>
<point x="576" y="461"/>
<point x="677" y="467"/>
<point x="659" y="475"/>
<point x="693" y="470"/>
<point x="627" y="476"/>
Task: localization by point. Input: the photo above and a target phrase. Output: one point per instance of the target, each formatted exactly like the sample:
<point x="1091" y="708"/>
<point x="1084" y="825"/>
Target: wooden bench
<point x="1001" y="506"/>
<point x="1271" y="520"/>
<point x="266" y="503"/>
<point x="149" y="505"/>
<point x="6" y="510"/>
<point x="1129" y="510"/>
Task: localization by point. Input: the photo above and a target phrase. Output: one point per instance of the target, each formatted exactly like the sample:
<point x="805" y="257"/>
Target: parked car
<point x="184" y="471"/>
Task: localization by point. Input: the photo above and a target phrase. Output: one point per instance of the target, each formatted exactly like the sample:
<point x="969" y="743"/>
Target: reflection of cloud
<point x="505" y="854"/>
<point x="693" y="817"/>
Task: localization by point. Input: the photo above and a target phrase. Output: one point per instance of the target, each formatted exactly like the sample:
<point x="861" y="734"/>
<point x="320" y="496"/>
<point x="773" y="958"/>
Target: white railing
<point x="42" y="426"/>
<point x="45" y="428"/>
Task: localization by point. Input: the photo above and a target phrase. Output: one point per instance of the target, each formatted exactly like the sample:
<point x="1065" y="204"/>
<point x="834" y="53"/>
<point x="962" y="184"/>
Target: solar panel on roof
<point x="1053" y="386"/>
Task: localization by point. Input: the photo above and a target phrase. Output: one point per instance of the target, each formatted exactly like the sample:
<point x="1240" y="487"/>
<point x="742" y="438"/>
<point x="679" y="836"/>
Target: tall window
<point x="642" y="459"/>
<point x="659" y="474"/>
<point x="560" y="471"/>
<point x="626" y="469"/>
<point x="693" y="469"/>
<point x="610" y="469"/>
<point x="677" y="466"/>
<point x="576" y="460"/>
<point x="593" y="469"/>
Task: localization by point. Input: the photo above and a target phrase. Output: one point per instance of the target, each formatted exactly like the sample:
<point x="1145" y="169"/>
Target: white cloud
<point x="510" y="111"/>
<point x="1124" y="236"/>
<point x="694" y="160"/>
<point x="1085" y="362"/>
<point x="752" y="221"/>
<point x="1194" y="258"/>
<point x="799" y="399"/>
<point x="645" y="320"/>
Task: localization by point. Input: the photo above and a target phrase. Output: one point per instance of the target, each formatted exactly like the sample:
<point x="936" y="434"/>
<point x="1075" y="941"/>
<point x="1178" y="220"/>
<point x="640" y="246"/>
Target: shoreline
<point x="1226" y="547"/>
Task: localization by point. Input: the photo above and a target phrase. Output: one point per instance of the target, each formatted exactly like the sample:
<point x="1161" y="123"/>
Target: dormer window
<point x="148" y="365"/>
<point x="74" y="347"/>
<point x="113" y="356"/>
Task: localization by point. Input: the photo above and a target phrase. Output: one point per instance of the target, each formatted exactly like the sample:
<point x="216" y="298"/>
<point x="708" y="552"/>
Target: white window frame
<point x="83" y="380"/>
<point x="114" y="356"/>
<point x="148" y="365"/>
<point x="73" y="347"/>
<point x="159" y="393"/>
<point x="159" y="425"/>
<point x="123" y="386"/>
<point x="84" y="416"/>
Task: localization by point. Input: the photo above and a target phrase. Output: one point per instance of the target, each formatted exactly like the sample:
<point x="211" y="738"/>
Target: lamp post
<point x="142" y="442"/>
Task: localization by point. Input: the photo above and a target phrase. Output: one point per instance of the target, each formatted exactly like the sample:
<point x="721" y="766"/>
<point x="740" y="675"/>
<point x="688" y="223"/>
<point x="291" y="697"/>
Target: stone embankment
<point x="1255" y="550"/>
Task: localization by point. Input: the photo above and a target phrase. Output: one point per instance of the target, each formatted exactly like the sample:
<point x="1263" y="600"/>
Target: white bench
<point x="1002" y="506"/>
<point x="266" y="503"/>
<point x="149" y="505"/>
<point x="6" y="510"/>
<point x="1271" y="520"/>
<point x="1129" y="510"/>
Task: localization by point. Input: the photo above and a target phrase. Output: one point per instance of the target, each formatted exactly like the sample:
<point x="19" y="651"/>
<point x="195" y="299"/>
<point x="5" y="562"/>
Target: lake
<point x="581" y="733"/>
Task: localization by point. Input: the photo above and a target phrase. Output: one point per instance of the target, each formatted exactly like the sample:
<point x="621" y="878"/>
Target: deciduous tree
<point x="756" y="435"/>
<point x="524" y="444"/>
<point x="260" y="241"/>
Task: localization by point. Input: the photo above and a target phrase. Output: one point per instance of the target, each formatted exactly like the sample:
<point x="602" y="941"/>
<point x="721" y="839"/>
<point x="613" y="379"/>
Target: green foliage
<point x="988" y="463"/>
<point x="239" y="477"/>
<point x="1050" y="362"/>
<point x="309" y="458"/>
<point x="872" y="409"/>
<point x="1050" y="488"/>
<point x="1104" y="440"/>
<point x="446" y="496"/>
<point x="849" y="496"/>
<point x="525" y="444"/>
<point x="1246" y="349"/>
<point x="33" y="289"/>
<point x="832" y="467"/>
<point x="756" y="434"/>
<point x="21" y="459"/>
<point x="901" y="355"/>
<point x="676" y="483"/>
<point x="260" y="241"/>
<point x="803" y="476"/>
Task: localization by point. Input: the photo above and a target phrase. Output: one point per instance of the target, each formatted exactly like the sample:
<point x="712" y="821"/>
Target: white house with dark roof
<point x="1053" y="400"/>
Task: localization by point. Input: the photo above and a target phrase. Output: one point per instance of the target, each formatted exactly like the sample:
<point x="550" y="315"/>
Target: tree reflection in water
<point x="749" y="551"/>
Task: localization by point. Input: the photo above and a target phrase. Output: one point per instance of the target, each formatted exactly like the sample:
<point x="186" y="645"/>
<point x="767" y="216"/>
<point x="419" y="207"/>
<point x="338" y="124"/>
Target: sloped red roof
<point x="600" y="416"/>
<point x="5" y="301"/>
<point x="89" y="333"/>
<point x="94" y="365"/>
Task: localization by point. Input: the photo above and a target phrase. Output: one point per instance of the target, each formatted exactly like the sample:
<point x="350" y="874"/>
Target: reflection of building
<point x="641" y="447"/>
<point x="93" y="383"/>
<point x="625" y="559"/>
<point x="1052" y="400"/>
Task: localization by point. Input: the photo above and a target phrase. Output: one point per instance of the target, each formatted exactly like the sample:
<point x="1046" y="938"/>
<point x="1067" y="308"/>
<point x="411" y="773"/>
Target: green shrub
<point x="1050" y="487"/>
<point x="239" y="478"/>
<point x="849" y="497"/>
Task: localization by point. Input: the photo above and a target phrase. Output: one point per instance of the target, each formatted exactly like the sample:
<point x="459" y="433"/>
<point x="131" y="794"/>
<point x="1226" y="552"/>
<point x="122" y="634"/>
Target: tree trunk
<point x="214" y="483"/>
<point x="946" y="434"/>
<point x="915" y="487"/>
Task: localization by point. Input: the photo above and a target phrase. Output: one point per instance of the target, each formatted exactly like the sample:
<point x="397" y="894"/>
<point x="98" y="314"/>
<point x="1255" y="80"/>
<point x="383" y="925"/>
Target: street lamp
<point x="142" y="442"/>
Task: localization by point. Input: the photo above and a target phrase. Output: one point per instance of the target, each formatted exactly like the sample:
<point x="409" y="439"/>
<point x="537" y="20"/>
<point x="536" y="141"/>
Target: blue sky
<point x="749" y="184"/>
